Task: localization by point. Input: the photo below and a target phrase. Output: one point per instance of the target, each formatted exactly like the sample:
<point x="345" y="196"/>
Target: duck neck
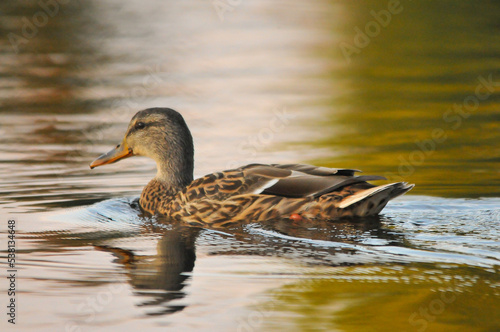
<point x="175" y="165"/>
<point x="175" y="174"/>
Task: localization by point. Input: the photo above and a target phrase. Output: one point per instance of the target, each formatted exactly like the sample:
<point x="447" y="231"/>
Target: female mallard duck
<point x="254" y="192"/>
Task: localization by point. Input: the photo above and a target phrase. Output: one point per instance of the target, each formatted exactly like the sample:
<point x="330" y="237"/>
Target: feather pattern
<point x="260" y="192"/>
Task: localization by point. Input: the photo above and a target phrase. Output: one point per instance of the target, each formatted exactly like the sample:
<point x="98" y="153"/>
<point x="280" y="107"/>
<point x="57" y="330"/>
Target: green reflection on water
<point x="410" y="298"/>
<point x="403" y="85"/>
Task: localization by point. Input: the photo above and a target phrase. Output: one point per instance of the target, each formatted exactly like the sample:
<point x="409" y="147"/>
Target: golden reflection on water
<point x="421" y="98"/>
<point x="415" y="297"/>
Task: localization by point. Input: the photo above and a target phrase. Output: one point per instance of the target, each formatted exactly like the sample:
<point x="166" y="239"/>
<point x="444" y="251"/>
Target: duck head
<point x="162" y="135"/>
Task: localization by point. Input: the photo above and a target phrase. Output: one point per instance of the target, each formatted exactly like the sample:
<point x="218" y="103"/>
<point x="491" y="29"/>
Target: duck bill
<point x="121" y="151"/>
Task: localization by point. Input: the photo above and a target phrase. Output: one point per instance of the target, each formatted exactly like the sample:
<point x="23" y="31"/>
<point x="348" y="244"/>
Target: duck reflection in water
<point x="163" y="276"/>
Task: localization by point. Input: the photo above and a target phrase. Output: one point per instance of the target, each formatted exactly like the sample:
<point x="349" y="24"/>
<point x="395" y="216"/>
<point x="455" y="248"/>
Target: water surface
<point x="89" y="259"/>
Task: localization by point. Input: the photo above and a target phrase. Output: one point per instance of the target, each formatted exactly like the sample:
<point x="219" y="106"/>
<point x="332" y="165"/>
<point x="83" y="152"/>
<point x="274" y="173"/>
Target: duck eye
<point x="140" y="125"/>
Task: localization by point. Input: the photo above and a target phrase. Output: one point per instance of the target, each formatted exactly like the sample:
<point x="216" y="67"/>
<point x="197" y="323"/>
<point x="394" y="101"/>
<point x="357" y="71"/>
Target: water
<point x="88" y="259"/>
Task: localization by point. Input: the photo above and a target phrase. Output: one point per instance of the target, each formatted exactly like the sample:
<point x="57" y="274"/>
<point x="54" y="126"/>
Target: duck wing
<point x="290" y="180"/>
<point x="299" y="180"/>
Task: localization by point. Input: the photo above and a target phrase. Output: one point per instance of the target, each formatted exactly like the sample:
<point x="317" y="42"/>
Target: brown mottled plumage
<point x="251" y="193"/>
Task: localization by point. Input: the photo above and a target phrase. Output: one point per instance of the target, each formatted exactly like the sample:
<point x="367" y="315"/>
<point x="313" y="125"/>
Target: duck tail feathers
<point x="371" y="201"/>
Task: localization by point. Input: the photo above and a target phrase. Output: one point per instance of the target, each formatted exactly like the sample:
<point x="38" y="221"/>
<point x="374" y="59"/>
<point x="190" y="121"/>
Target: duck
<point x="250" y="193"/>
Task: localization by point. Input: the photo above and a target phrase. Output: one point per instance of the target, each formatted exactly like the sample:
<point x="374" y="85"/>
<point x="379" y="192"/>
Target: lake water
<point x="409" y="90"/>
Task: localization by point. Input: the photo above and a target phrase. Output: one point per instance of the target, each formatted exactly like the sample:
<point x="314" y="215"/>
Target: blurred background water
<point x="405" y="89"/>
